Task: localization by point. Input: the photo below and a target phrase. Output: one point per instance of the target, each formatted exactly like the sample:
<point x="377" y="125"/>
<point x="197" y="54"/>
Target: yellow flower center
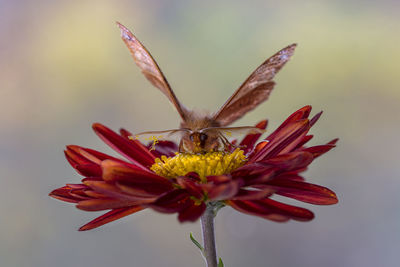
<point x="210" y="163"/>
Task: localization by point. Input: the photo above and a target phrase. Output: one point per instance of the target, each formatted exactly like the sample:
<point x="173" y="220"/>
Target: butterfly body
<point x="202" y="133"/>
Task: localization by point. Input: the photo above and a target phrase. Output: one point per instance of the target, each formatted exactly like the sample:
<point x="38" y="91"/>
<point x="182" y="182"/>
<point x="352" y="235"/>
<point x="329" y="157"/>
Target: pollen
<point x="210" y="163"/>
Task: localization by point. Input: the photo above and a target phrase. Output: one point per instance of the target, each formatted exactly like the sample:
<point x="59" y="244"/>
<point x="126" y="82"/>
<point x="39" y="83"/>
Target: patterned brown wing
<point x="237" y="109"/>
<point x="255" y="89"/>
<point x="150" y="68"/>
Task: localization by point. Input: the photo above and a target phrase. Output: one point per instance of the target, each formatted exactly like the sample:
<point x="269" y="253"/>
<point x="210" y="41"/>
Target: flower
<point x="166" y="181"/>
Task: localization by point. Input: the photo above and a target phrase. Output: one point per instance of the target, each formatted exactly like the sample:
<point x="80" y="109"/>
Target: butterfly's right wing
<point x="150" y="69"/>
<point x="255" y="89"/>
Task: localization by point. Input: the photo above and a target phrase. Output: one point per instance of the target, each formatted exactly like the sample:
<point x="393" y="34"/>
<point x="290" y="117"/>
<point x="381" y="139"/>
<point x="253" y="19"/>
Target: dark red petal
<point x="163" y="147"/>
<point x="192" y="186"/>
<point x="292" y="176"/>
<point x="249" y="207"/>
<point x="254" y="173"/>
<point x="146" y="192"/>
<point x="295" y="213"/>
<point x="105" y="204"/>
<point x="94" y="194"/>
<point x="218" y="179"/>
<point x="134" y="177"/>
<point x="74" y="157"/>
<point x="317" y="151"/>
<point x="173" y="201"/>
<point x="334" y="141"/>
<point x="271" y="209"/>
<point x="110" y="216"/>
<point x="321" y="149"/>
<point x="86" y="161"/>
<point x="258" y="148"/>
<point x="77" y="186"/>
<point x="89" y="170"/>
<point x="222" y="191"/>
<point x="131" y="149"/>
<point x="80" y="194"/>
<point x="90" y="154"/>
<point x="193" y="175"/>
<point x="245" y="194"/>
<point x="166" y="148"/>
<point x="83" y="166"/>
<point x="249" y="141"/>
<point x="113" y="191"/>
<point x="315" y="118"/>
<point x="192" y="212"/>
<point x="306" y="192"/>
<point x="300" y="114"/>
<point x="291" y="143"/>
<point x="286" y="138"/>
<point x="290" y="161"/>
<point x="304" y="140"/>
<point x="63" y="193"/>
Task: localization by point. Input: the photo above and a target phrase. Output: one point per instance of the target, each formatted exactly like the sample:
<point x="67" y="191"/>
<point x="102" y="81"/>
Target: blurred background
<point x="63" y="66"/>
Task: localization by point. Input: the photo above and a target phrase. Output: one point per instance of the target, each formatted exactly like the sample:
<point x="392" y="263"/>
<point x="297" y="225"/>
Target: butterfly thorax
<point x="197" y="120"/>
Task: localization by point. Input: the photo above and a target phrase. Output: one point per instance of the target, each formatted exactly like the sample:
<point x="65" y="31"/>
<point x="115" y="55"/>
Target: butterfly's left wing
<point x="150" y="69"/>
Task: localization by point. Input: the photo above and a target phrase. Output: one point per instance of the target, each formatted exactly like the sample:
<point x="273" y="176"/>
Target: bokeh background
<point x="63" y="67"/>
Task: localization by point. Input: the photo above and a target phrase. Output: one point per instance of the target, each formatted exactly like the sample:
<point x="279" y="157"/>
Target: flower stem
<point x="207" y="227"/>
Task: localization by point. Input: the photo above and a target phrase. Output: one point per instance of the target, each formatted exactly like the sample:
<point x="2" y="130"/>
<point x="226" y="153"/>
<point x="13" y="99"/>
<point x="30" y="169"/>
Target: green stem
<point x="207" y="227"/>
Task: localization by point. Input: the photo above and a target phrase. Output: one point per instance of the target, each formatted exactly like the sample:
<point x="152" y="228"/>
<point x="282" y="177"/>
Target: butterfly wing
<point x="149" y="67"/>
<point x="255" y="90"/>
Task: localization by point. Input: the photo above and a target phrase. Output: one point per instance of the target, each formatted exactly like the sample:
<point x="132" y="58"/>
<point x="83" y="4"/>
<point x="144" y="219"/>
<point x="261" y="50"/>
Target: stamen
<point x="211" y="163"/>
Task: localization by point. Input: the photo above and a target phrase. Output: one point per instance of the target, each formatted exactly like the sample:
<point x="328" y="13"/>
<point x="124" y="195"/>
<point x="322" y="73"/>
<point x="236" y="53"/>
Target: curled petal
<point x="110" y="216"/>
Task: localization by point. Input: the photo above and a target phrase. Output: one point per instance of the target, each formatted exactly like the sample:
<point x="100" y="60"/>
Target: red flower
<point x="249" y="176"/>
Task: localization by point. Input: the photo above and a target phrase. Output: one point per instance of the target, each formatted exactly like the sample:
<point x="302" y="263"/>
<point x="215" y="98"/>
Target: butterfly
<point x="202" y="133"/>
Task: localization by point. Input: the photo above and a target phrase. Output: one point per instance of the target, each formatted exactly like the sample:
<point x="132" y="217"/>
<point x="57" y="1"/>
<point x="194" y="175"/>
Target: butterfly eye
<point x="203" y="137"/>
<point x="191" y="137"/>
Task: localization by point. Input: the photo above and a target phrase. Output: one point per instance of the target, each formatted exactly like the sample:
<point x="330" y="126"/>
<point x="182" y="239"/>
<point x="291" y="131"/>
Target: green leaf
<point x="196" y="242"/>
<point x="220" y="263"/>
